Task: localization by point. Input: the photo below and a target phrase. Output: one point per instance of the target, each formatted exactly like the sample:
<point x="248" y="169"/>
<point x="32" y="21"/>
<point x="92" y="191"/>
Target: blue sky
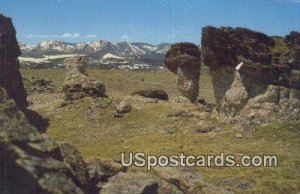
<point x="152" y="21"/>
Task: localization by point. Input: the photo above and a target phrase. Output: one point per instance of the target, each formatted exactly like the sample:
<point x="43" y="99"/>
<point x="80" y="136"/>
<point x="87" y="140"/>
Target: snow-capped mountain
<point x="101" y="53"/>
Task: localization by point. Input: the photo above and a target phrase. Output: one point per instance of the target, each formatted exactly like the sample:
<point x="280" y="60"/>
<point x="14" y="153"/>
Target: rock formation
<point x="250" y="70"/>
<point x="77" y="84"/>
<point x="100" y="170"/>
<point x="183" y="59"/>
<point x="30" y="163"/>
<point x="36" y="85"/>
<point x="10" y="77"/>
<point x="188" y="180"/>
<point x="75" y="164"/>
<point x="138" y="183"/>
<point x="9" y="65"/>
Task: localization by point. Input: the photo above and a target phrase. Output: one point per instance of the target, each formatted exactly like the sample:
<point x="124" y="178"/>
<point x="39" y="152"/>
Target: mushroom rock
<point x="244" y="64"/>
<point x="183" y="59"/>
<point x="77" y="84"/>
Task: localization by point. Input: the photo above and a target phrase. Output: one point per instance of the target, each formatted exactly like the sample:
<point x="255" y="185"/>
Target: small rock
<point x="169" y="130"/>
<point x="180" y="113"/>
<point x="245" y="184"/>
<point x="239" y="135"/>
<point x="201" y="101"/>
<point x="204" y="128"/>
<point x="152" y="93"/>
<point x="64" y="103"/>
<point x="123" y="107"/>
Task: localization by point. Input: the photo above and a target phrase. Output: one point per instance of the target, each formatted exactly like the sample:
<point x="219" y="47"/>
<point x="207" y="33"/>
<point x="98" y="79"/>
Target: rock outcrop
<point x="188" y="180"/>
<point x="138" y="183"/>
<point x="165" y="180"/>
<point x="77" y="84"/>
<point x="30" y="163"/>
<point x="183" y="59"/>
<point x="252" y="72"/>
<point x="100" y="170"/>
<point x="75" y="164"/>
<point x="36" y="85"/>
<point x="10" y="77"/>
<point x="9" y="65"/>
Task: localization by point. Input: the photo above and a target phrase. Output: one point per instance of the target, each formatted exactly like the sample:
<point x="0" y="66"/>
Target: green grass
<point x="120" y="83"/>
<point x="146" y="129"/>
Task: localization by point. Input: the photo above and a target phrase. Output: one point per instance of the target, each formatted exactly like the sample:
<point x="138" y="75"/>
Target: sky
<point x="151" y="21"/>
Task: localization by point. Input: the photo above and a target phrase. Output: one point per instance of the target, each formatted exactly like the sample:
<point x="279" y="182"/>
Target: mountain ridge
<point x="135" y="55"/>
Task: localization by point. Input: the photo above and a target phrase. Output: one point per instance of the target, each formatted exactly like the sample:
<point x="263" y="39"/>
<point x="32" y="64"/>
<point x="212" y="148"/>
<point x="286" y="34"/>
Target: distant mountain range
<point x="101" y="54"/>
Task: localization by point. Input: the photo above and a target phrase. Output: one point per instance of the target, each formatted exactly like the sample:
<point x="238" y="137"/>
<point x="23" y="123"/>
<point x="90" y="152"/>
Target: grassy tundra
<point x="89" y="124"/>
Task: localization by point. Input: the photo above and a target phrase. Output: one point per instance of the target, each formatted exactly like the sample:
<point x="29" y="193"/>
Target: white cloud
<point x="65" y="35"/>
<point x="69" y="35"/>
<point x="125" y="37"/>
<point x="37" y="36"/>
<point x="91" y="36"/>
<point x="30" y="35"/>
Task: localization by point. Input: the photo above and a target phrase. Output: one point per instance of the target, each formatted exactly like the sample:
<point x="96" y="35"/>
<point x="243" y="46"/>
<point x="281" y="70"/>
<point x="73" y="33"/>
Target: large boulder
<point x="100" y="170"/>
<point x="138" y="183"/>
<point x="245" y="65"/>
<point x="75" y="164"/>
<point x="164" y="180"/>
<point x="187" y="180"/>
<point x="77" y="84"/>
<point x="183" y="59"/>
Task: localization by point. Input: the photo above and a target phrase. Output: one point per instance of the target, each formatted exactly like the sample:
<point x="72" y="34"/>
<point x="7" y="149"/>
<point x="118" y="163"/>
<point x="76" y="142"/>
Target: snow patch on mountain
<point x="111" y="56"/>
<point x="99" y="52"/>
